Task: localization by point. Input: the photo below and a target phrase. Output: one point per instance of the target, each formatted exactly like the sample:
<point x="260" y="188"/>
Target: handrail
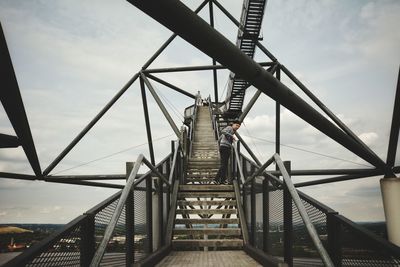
<point x="192" y="130"/>
<point x="172" y="213"/>
<point x="174" y="157"/>
<point x="303" y="213"/>
<point x="213" y="123"/>
<point x="241" y="213"/>
<point x="130" y="184"/>
<point x="238" y="164"/>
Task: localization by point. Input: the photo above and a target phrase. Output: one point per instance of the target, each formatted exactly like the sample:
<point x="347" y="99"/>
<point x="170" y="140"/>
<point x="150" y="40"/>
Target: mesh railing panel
<point x="140" y="235"/>
<point x="64" y="252"/>
<point x="115" y="250"/>
<point x="359" y="251"/>
<point x="276" y="223"/>
<point x="258" y="238"/>
<point x="304" y="250"/>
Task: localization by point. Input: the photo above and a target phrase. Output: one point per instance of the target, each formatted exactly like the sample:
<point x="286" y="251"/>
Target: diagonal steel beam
<point x="303" y="88"/>
<point x="154" y="78"/>
<point x="11" y="99"/>
<point x="196" y="31"/>
<point x="161" y="105"/>
<point x="394" y="131"/>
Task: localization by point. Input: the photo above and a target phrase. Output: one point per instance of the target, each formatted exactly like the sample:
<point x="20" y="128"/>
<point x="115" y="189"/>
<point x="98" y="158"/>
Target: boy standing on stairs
<point x="225" y="143"/>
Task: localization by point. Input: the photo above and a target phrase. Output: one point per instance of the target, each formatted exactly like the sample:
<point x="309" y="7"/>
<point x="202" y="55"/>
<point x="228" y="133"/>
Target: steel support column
<point x="287" y="221"/>
<point x="278" y="119"/>
<point x="265" y="215"/>
<point x="185" y="22"/>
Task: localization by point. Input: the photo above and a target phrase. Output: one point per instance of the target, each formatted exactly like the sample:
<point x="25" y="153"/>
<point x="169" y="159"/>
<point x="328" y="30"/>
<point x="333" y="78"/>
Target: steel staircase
<point x="248" y="34"/>
<point x="204" y="161"/>
<point x="206" y="214"/>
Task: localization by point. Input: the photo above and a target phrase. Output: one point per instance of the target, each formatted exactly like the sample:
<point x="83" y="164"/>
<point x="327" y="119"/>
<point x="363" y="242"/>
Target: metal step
<point x="206" y="194"/>
<point x="202" y="175"/>
<point x="207" y="221"/>
<point x="200" y="180"/>
<point x="206" y="211"/>
<point x="207" y="202"/>
<point x="207" y="188"/>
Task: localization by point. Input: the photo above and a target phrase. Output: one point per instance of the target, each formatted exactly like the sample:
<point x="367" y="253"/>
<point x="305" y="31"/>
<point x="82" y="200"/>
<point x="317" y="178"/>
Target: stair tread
<point x="207" y="202"/>
<point x="207" y="221"/>
<point x="200" y="187"/>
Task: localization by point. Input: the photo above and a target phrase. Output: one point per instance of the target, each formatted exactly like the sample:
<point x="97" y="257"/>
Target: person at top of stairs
<point x="225" y="143"/>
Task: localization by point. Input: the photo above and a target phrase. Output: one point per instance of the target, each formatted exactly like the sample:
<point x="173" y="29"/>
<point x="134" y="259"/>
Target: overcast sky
<point x="72" y="57"/>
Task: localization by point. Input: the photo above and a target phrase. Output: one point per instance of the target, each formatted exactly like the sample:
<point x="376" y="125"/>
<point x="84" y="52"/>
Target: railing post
<point x="87" y="246"/>
<point x="149" y="214"/>
<point x="253" y="212"/>
<point x="265" y="203"/>
<point x="244" y="197"/>
<point x="129" y="221"/>
<point x="287" y="222"/>
<point x="334" y="238"/>
<point x="160" y="210"/>
<point x="231" y="165"/>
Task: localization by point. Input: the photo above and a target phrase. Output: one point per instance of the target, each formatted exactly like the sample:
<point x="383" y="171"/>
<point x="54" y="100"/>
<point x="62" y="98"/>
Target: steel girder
<point x="11" y="99"/>
<point x="181" y="20"/>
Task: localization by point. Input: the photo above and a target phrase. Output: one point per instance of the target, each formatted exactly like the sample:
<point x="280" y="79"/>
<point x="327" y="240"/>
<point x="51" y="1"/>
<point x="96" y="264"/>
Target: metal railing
<point x="280" y="229"/>
<point x="119" y="231"/>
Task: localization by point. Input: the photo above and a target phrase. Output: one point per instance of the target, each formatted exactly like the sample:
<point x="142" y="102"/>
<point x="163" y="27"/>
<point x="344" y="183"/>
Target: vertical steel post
<point x="160" y="209"/>
<point x="147" y="121"/>
<point x="253" y="212"/>
<point x="265" y="203"/>
<point x="87" y="245"/>
<point x="129" y="221"/>
<point x="278" y="119"/>
<point x="334" y="230"/>
<point x="238" y="160"/>
<point x="244" y="191"/>
<point x="287" y="222"/>
<point x="149" y="214"/>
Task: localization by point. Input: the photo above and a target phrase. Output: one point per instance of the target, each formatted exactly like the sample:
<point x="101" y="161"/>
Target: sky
<point x="72" y="57"/>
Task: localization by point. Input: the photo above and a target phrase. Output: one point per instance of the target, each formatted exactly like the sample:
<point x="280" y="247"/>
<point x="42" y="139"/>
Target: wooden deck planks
<point x="210" y="258"/>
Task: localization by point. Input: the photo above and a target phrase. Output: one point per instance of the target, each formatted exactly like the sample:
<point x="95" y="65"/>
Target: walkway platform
<point x="226" y="258"/>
